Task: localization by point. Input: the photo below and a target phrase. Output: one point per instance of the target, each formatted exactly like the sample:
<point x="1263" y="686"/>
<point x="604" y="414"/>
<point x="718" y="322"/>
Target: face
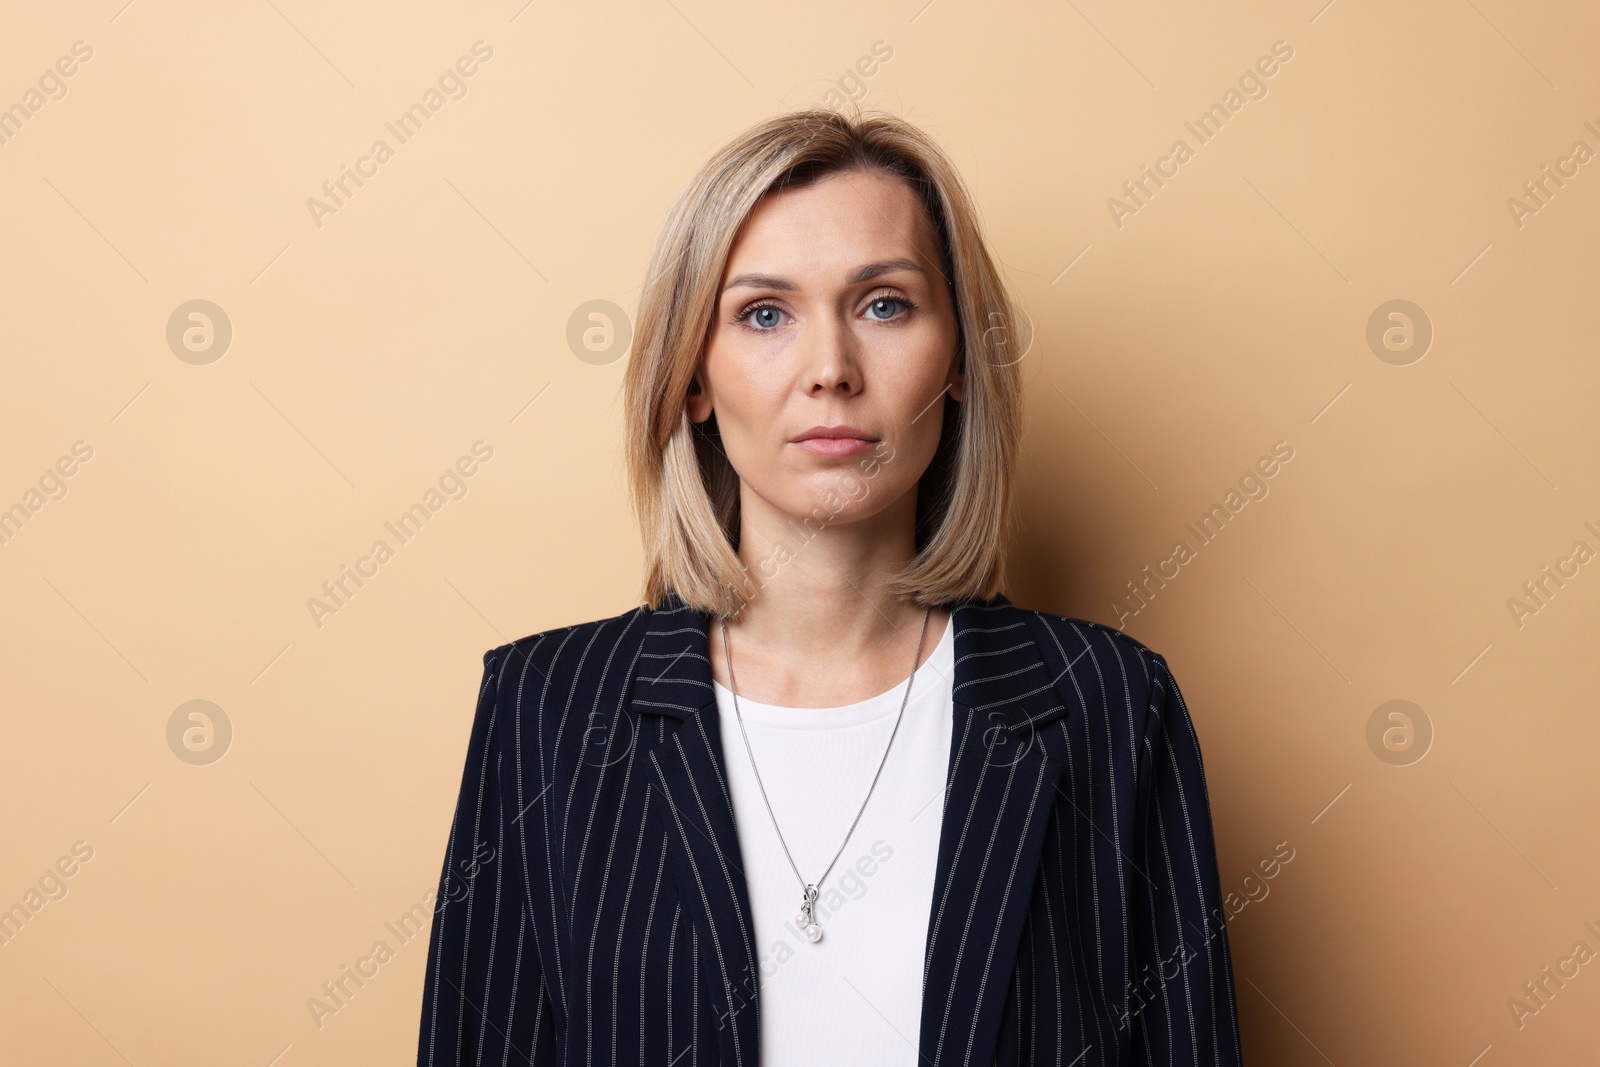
<point x="833" y="313"/>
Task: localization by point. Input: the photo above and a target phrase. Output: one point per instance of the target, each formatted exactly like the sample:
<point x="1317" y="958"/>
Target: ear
<point x="697" y="404"/>
<point x="958" y="379"/>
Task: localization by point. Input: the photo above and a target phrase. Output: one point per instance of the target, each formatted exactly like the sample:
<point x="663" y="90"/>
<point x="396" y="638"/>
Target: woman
<point x="828" y="796"/>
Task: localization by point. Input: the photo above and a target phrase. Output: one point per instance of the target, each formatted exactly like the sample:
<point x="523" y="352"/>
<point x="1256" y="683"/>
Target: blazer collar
<point x="1000" y="670"/>
<point x="1000" y="782"/>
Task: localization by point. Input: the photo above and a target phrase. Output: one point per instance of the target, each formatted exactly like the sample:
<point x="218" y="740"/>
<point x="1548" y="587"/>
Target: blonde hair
<point x="686" y="493"/>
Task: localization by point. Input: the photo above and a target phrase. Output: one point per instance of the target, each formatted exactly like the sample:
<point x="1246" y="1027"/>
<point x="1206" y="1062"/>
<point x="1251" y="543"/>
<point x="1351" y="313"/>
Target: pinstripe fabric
<point x="593" y="908"/>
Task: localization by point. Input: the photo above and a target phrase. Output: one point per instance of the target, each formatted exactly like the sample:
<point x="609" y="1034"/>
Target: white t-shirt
<point x="855" y="996"/>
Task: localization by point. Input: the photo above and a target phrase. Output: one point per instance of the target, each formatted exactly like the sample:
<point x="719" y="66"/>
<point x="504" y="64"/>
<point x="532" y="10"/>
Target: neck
<point x="825" y="589"/>
<point x="822" y="629"/>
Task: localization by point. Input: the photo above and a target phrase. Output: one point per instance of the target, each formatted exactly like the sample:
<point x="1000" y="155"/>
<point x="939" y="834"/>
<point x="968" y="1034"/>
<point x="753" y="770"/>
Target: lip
<point x="842" y="440"/>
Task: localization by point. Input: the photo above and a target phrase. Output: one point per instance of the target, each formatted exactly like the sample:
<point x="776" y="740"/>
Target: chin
<point x="832" y="508"/>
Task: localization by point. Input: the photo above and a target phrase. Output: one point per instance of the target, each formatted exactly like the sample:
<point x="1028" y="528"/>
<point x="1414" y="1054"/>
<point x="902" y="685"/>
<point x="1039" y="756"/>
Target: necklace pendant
<point x="807" y="919"/>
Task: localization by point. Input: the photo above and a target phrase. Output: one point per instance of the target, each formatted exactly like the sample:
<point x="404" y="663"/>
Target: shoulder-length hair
<point x="686" y="493"/>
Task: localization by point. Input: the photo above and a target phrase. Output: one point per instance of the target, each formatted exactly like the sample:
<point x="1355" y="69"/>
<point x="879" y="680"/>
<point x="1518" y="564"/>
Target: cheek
<point x="745" y="392"/>
<point x="923" y="358"/>
<point x="921" y="438"/>
<point x="921" y="391"/>
<point x="749" y="409"/>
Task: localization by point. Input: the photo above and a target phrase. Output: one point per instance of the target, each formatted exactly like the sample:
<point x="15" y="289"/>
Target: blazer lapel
<point x="998" y="787"/>
<point x="998" y="799"/>
<point x="689" y="797"/>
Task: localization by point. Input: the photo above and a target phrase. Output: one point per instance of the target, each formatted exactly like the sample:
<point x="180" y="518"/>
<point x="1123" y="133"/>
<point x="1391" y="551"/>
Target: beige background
<point x="431" y="312"/>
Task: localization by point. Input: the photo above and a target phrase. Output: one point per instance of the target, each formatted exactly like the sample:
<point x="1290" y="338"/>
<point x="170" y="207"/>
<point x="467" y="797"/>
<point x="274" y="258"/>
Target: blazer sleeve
<point x="484" y="999"/>
<point x="1182" y="996"/>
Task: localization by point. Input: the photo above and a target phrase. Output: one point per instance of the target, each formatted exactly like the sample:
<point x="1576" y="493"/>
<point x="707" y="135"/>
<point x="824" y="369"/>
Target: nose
<point x="832" y="359"/>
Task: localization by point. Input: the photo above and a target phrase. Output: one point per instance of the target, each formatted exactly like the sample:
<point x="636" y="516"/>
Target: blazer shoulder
<point x="1087" y="630"/>
<point x="1069" y="639"/>
<point x="539" y="650"/>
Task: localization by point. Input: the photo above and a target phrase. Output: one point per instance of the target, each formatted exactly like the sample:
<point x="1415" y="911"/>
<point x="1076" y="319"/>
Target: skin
<point x="879" y="354"/>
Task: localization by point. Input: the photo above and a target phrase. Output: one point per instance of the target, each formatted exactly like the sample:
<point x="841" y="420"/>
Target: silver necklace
<point x="807" y="918"/>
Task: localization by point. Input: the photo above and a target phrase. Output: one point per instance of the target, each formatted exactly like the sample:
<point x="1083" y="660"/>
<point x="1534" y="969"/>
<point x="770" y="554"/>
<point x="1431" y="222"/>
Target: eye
<point x="878" y="304"/>
<point x="766" y="316"/>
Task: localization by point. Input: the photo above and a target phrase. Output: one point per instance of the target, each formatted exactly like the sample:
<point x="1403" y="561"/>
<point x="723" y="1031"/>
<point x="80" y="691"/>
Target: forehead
<point x="836" y="222"/>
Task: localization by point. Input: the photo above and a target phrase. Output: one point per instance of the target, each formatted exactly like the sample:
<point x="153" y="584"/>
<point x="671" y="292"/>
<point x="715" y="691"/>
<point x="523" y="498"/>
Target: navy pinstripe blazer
<point x="593" y="908"/>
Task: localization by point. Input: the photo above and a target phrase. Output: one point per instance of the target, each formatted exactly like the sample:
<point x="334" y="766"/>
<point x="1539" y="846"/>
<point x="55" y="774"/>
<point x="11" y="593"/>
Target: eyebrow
<point x="860" y="274"/>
